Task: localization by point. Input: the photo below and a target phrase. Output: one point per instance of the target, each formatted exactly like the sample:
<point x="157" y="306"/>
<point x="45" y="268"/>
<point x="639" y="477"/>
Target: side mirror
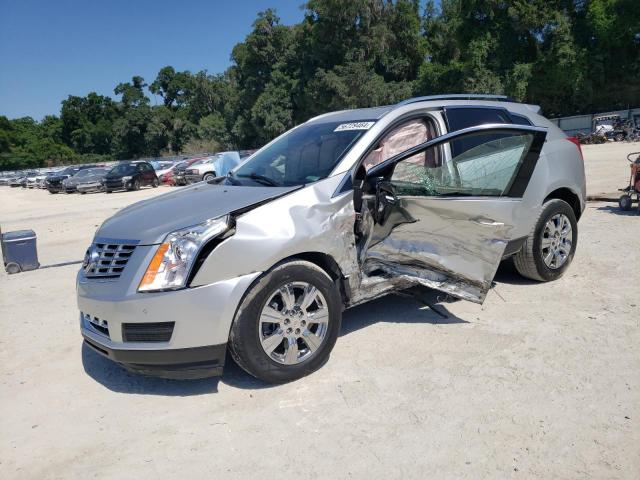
<point x="385" y="199"/>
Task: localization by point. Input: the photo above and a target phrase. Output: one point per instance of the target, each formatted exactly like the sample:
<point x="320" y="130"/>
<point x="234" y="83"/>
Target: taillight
<point x="576" y="142"/>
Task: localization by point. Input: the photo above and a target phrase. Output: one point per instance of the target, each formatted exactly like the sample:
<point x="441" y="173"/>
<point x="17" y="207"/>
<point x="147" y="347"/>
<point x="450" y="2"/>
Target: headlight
<point x="170" y="266"/>
<point x="126" y="179"/>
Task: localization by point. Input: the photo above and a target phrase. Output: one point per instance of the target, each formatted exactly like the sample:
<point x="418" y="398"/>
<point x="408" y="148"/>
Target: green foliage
<point x="569" y="56"/>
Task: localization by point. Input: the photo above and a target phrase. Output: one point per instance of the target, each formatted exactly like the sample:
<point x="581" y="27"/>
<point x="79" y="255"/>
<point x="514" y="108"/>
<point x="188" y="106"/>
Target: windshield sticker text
<point x="354" y="126"/>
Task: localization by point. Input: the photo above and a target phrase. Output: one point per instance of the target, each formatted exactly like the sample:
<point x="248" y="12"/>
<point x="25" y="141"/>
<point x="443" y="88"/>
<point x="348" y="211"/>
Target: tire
<point x="12" y="268"/>
<point x="52" y="193"/>
<point x="624" y="202"/>
<point x="529" y="260"/>
<point x="155" y="183"/>
<point x="108" y="191"/>
<point x="208" y="176"/>
<point x="135" y="185"/>
<point x="246" y="331"/>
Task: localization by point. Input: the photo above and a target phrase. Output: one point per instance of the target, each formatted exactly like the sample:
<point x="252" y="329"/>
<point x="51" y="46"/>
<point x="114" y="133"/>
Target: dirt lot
<point x="542" y="381"/>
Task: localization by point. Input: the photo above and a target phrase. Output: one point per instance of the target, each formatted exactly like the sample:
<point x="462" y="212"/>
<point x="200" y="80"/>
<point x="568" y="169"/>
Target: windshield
<point x="68" y="171"/>
<point x="303" y="155"/>
<point x="123" y="169"/>
<point x="85" y="172"/>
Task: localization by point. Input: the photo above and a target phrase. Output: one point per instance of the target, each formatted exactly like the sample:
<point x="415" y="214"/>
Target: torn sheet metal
<point x="439" y="245"/>
<point x="307" y="220"/>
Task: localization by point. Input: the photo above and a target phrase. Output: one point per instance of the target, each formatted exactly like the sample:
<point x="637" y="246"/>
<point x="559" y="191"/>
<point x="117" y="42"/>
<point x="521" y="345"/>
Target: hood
<point x="149" y="221"/>
<point x="118" y="176"/>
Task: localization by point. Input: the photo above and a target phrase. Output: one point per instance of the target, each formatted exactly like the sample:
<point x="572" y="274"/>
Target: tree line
<point x="568" y="56"/>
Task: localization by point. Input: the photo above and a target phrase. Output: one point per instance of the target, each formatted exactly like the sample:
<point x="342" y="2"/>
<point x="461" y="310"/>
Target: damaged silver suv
<point x="430" y="193"/>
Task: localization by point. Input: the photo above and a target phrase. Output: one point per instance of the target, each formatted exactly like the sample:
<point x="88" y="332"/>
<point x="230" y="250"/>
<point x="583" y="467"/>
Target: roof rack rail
<point x="458" y="96"/>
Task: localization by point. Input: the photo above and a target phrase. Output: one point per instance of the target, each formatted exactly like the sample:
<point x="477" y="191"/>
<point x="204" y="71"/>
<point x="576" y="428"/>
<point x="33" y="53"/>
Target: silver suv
<point x="431" y="193"/>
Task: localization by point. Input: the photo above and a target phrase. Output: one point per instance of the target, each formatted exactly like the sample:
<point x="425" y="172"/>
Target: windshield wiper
<point x="261" y="179"/>
<point x="230" y="179"/>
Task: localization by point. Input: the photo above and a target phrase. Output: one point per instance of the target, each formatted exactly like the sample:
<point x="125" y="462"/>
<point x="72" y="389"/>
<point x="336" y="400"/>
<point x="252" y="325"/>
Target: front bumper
<point x="54" y="187"/>
<point x="192" y="178"/>
<point x="202" y="318"/>
<point x="178" y="364"/>
<point x="179" y="179"/>
<point x="90" y="187"/>
<point x="118" y="185"/>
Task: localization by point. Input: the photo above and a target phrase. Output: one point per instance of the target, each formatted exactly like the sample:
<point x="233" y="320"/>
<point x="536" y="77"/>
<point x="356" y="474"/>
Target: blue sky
<point x="53" y="48"/>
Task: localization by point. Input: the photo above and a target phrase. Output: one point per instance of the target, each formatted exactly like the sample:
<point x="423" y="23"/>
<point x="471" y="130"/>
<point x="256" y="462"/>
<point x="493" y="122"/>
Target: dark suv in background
<point x="130" y="176"/>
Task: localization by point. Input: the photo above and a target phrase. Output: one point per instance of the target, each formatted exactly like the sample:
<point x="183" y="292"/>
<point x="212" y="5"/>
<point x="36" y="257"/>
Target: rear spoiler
<point x="533" y="108"/>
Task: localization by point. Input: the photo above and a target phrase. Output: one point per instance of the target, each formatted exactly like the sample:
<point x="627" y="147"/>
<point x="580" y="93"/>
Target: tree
<point x="132" y="92"/>
<point x="172" y="86"/>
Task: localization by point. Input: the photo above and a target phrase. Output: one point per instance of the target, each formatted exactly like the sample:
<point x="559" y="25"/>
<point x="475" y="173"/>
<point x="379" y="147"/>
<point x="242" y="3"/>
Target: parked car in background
<point x="18" y="181"/>
<point x="5" y="178"/>
<point x="349" y="206"/>
<point x="37" y="180"/>
<point x="32" y="180"/>
<point x="166" y="177"/>
<point x="217" y="165"/>
<point x="161" y="166"/>
<point x="89" y="180"/>
<point x="130" y="176"/>
<point x="53" y="182"/>
<point x="179" y="174"/>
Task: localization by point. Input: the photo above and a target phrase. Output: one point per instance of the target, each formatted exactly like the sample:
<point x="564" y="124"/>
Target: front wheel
<point x="155" y="183"/>
<point x="287" y="324"/>
<point x="208" y="177"/>
<point x="548" y="250"/>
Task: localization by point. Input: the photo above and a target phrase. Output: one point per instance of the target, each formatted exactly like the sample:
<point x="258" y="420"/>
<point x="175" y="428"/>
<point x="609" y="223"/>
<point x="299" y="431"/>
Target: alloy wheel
<point x="293" y="323"/>
<point x="556" y="241"/>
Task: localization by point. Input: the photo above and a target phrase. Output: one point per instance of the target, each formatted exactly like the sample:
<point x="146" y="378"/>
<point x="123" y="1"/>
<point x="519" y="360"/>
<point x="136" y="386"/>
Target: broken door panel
<point x="446" y="227"/>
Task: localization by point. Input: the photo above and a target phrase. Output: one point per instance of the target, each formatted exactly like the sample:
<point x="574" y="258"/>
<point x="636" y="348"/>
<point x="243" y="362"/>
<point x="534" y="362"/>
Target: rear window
<point x="459" y="118"/>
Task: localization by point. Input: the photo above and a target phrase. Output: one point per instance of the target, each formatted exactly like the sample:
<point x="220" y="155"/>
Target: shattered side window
<point x="487" y="169"/>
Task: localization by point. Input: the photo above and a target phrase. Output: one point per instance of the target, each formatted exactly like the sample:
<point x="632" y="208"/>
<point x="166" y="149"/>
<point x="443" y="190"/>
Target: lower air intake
<point x="147" y="332"/>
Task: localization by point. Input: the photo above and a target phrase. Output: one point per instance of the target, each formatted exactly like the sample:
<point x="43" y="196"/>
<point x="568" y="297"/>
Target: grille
<point x="107" y="259"/>
<point x="147" y="332"/>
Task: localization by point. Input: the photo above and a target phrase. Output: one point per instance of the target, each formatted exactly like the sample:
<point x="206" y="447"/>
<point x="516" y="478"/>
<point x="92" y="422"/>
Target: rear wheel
<point x="208" y="176"/>
<point x="625" y="202"/>
<point x="108" y="191"/>
<point x="548" y="250"/>
<point x="287" y="324"/>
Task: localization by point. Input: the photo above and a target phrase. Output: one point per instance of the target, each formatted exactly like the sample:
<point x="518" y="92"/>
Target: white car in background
<point x="217" y="165"/>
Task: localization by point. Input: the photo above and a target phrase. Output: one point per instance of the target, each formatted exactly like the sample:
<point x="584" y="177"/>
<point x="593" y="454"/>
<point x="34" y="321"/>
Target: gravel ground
<point x="542" y="381"/>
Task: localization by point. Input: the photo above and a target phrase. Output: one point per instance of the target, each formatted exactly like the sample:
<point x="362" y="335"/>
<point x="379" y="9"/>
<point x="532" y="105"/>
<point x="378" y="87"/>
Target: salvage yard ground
<point x="542" y="381"/>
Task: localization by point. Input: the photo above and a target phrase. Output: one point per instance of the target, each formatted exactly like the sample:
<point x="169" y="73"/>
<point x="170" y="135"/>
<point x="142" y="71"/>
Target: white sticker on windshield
<point x="354" y="126"/>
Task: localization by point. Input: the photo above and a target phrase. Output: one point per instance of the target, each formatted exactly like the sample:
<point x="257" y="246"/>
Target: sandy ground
<point x="542" y="381"/>
<point x="607" y="168"/>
